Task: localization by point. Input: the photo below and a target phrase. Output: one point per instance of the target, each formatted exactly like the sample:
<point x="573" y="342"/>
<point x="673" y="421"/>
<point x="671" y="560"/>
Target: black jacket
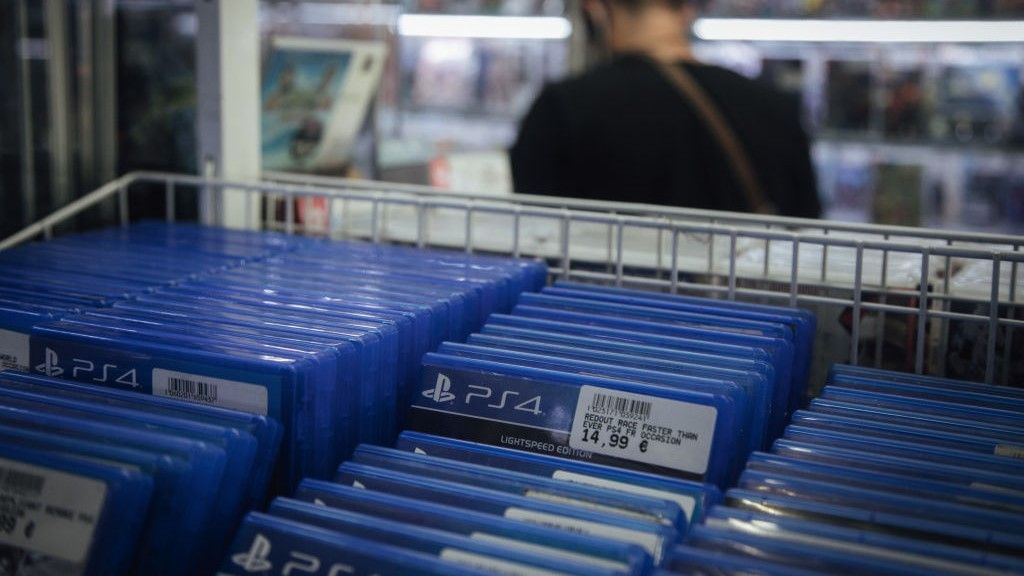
<point x="622" y="132"/>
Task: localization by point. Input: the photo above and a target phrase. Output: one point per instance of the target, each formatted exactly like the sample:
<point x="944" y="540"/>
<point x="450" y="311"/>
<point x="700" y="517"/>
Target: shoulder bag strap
<point x="691" y="91"/>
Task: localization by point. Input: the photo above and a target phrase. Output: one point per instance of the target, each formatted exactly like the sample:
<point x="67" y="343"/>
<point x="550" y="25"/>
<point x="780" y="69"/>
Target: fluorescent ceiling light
<point x="950" y="31"/>
<point x="510" y="27"/>
<point x="349" y="13"/>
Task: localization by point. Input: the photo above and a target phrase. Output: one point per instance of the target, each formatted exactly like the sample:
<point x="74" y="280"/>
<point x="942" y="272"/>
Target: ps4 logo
<point x="81" y="369"/>
<point x="441" y="392"/>
<point x="476" y="394"/>
<point x="257" y="559"/>
<point x="50" y="364"/>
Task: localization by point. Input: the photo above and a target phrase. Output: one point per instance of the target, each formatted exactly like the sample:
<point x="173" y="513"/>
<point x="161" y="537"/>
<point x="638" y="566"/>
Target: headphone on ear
<point x="595" y="32"/>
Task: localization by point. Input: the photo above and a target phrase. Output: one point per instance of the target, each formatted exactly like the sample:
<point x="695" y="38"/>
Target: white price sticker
<point x="687" y="503"/>
<point x="14" y="351"/>
<point x="492" y="565"/>
<point x="47" y="511"/>
<point x="532" y="548"/>
<point x="1009" y="451"/>
<point x="593" y="506"/>
<point x="212" y="391"/>
<point x="1000" y="489"/>
<point x="644" y="428"/>
<point x="649" y="541"/>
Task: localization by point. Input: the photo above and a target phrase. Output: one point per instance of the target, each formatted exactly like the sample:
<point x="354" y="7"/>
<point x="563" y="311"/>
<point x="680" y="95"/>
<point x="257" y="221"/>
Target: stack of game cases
<point x="44" y="281"/>
<point x="589" y="411"/>
<point x="680" y="386"/>
<point x="101" y="481"/>
<point x="475" y="510"/>
<point x="884" y="473"/>
<point x="322" y="337"/>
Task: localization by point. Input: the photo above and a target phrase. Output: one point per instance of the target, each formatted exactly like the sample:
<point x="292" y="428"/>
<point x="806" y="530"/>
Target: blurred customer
<point x="653" y="125"/>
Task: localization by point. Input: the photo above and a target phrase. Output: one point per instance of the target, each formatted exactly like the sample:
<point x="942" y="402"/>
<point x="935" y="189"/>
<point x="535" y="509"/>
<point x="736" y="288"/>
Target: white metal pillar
<point x="58" y="76"/>
<point x="28" y="147"/>
<point x="228" y="107"/>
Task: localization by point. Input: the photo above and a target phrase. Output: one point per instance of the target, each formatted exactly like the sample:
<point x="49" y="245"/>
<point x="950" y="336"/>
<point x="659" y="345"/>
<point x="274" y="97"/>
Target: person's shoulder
<point x="755" y="90"/>
<point x="611" y="75"/>
<point x="756" y="95"/>
<point x="723" y="74"/>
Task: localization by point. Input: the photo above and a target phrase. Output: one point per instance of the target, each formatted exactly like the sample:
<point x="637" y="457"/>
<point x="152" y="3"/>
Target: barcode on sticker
<point x="22" y="483"/>
<point x="624" y="406"/>
<point x="49" y="514"/>
<point x="544" y="550"/>
<point x="644" y="428"/>
<point x="650" y="541"/>
<point x="195" y="390"/>
<point x="1009" y="451"/>
<point x="492" y="565"/>
<point x="686" y="503"/>
<point x="13" y="350"/>
<point x="204" y="389"/>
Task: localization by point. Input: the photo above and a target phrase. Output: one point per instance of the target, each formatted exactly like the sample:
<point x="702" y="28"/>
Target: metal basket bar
<point x="926" y="301"/>
<point x="314" y="182"/>
<point x="46" y="225"/>
<point x="443" y="200"/>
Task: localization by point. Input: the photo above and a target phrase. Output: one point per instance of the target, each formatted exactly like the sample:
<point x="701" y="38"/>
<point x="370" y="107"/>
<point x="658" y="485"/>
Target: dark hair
<point x="674" y="4"/>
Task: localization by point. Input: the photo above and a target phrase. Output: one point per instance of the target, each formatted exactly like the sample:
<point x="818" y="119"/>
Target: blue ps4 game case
<point x="238" y="448"/>
<point x="692" y="497"/>
<point x="910" y="418"/>
<point x="701" y="318"/>
<point x="941" y="557"/>
<point x="708" y="350"/>
<point x="165" y="533"/>
<point x="907" y="464"/>
<point x="611" y="501"/>
<point x="802" y="322"/>
<point x="683" y="433"/>
<point x="653" y="536"/>
<point x="267" y="432"/>
<point x="407" y="298"/>
<point x="751" y="403"/>
<point x="959" y="439"/>
<point x="844" y="514"/>
<point x="570" y="429"/>
<point x="776" y="348"/>
<point x="271" y="545"/>
<point x="193" y="512"/>
<point x="537" y="538"/>
<point x="799" y="554"/>
<point x="904" y="448"/>
<point x="459" y="550"/>
<point x="901" y="481"/>
<point x="67" y="515"/>
<point x="265" y="380"/>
